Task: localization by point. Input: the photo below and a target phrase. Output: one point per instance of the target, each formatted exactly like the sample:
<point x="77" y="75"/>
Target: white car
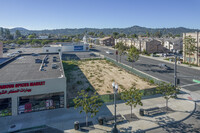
<point x="10" y="54"/>
<point x="108" y="52"/>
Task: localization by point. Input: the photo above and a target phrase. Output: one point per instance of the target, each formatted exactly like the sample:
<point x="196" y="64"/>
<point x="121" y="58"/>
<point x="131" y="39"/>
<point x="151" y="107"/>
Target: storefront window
<point x="5" y="107"/>
<point x="40" y="102"/>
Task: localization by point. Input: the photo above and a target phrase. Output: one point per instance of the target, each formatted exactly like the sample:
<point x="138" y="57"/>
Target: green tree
<point x="132" y="97"/>
<point x="158" y="34"/>
<point x="36" y="41"/>
<point x="147" y="34"/>
<point x="20" y="42"/>
<point x="134" y="36"/>
<point x="31" y="36"/>
<point x="89" y="104"/>
<point x="8" y="35"/>
<point x="18" y="34"/>
<point x="168" y="91"/>
<point x="121" y="48"/>
<point x="115" y="35"/>
<point x="189" y="47"/>
<point x="133" y="54"/>
<point x="2" y="32"/>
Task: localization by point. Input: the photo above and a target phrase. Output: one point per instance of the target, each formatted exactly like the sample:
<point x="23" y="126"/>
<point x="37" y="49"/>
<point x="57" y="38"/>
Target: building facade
<point x="1" y="49"/>
<point x="195" y="57"/>
<point x="107" y="41"/>
<point x="65" y="47"/>
<point x="143" y="44"/>
<point x="174" y="44"/>
<point x="30" y="85"/>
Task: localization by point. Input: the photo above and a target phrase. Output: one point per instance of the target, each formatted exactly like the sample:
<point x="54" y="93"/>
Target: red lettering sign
<point x="19" y="85"/>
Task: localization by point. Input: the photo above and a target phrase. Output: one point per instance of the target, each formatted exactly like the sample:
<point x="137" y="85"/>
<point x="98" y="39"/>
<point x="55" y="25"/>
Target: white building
<point x="43" y="37"/>
<point x="30" y="83"/>
<point x="174" y="45"/>
<point x="65" y="47"/>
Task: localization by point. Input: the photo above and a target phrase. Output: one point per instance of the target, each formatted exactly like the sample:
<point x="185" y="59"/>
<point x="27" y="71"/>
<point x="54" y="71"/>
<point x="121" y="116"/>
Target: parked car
<point x="10" y="54"/>
<point x="19" y="51"/>
<point x="108" y="52"/>
<point x="54" y="66"/>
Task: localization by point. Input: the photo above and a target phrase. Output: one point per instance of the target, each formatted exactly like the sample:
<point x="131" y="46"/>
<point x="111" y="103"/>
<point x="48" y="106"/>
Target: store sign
<point x="78" y="48"/>
<point x="12" y="87"/>
<point x="14" y="91"/>
<point x="19" y="85"/>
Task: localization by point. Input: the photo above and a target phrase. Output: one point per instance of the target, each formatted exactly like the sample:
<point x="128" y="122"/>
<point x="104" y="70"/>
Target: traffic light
<point x="178" y="81"/>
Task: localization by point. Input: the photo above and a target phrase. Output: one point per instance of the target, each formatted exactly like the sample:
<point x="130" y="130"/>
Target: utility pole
<point x="175" y="74"/>
<point x="116" y="55"/>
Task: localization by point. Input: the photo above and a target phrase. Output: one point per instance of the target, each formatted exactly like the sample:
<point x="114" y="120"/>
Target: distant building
<point x="143" y="44"/>
<point x="195" y="57"/>
<point x="107" y="41"/>
<point x="174" y="44"/>
<point x="65" y="47"/>
<point x="1" y="49"/>
<point x="43" y="37"/>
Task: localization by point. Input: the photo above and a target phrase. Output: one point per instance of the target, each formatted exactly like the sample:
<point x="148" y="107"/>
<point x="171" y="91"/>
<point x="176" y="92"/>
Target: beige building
<point x="195" y="57"/>
<point x="107" y="41"/>
<point x="143" y="44"/>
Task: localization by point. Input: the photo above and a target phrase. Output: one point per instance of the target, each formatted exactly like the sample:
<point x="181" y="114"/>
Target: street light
<point x="115" y="89"/>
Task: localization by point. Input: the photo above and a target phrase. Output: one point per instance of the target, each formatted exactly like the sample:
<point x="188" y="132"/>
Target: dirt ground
<point x="99" y="75"/>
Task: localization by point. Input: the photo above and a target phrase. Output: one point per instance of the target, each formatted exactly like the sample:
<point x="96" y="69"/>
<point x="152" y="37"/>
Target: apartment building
<point x="107" y="41"/>
<point x="149" y="45"/>
<point x="174" y="44"/>
<point x="195" y="57"/>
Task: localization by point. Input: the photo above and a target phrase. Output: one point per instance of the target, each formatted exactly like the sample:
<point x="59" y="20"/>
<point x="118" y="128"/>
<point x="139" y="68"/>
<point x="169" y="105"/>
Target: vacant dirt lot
<point x="98" y="75"/>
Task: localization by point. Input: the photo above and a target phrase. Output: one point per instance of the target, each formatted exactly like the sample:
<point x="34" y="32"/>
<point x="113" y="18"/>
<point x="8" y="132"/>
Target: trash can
<point x="100" y="119"/>
<point x="76" y="125"/>
<point x="142" y="112"/>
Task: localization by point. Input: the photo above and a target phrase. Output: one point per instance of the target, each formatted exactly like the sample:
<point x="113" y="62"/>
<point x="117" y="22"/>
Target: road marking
<point x="189" y="98"/>
<point x="189" y="85"/>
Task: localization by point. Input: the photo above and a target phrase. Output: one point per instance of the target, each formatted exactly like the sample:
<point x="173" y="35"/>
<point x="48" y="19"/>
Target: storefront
<point x="40" y="102"/>
<point x="5" y="107"/>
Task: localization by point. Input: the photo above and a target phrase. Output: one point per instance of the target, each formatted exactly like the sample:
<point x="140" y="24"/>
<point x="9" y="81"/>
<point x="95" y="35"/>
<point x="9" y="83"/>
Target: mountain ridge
<point x="128" y="30"/>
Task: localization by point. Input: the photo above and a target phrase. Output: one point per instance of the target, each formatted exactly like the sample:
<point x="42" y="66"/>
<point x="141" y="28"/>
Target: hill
<point x="129" y="30"/>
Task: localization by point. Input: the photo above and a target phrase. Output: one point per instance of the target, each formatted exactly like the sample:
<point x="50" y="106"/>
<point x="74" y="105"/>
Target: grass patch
<point x="79" y="82"/>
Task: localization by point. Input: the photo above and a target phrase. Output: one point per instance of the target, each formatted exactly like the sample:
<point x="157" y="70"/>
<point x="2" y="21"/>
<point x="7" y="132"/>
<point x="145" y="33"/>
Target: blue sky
<point x="56" y="14"/>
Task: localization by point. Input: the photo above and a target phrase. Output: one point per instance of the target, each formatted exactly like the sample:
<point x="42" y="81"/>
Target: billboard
<point x="78" y="48"/>
<point x="1" y="49"/>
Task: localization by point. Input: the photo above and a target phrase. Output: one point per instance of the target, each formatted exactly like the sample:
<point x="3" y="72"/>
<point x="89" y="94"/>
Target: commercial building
<point x="107" y="41"/>
<point x="65" y="47"/>
<point x="32" y="82"/>
<point x="195" y="57"/>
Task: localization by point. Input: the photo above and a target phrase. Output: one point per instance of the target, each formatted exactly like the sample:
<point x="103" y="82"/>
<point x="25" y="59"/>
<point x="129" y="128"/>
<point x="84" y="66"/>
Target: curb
<point x="195" y="68"/>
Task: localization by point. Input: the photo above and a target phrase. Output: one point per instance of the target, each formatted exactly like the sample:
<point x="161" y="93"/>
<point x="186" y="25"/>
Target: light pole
<point x="175" y="74"/>
<point x="115" y="88"/>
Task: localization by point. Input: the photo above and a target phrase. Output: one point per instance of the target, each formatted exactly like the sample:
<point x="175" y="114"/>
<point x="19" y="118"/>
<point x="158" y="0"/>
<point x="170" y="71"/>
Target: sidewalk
<point x="63" y="119"/>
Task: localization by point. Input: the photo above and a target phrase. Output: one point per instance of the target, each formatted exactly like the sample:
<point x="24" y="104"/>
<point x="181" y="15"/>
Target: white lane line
<point x="189" y="85"/>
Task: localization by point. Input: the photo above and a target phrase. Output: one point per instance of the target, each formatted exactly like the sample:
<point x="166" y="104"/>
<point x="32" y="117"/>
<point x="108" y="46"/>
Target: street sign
<point x="197" y="81"/>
